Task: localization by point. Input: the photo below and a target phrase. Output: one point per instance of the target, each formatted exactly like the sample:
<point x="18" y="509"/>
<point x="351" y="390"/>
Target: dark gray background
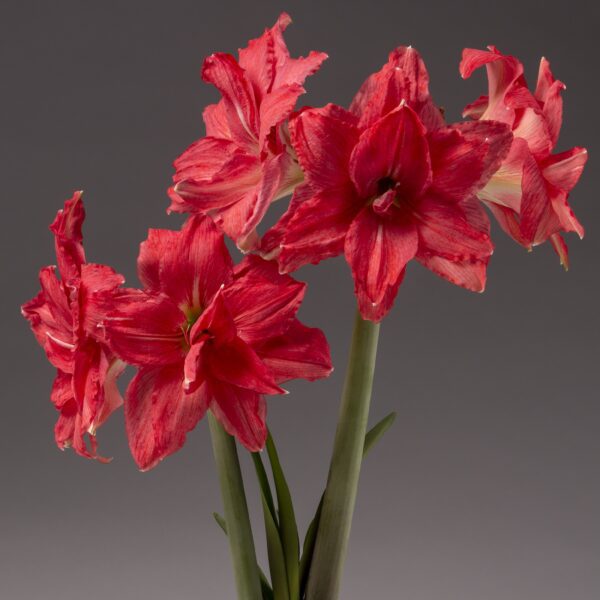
<point x="486" y="489"/>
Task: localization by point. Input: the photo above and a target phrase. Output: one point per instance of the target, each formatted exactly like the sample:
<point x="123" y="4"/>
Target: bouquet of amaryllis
<point x="384" y="181"/>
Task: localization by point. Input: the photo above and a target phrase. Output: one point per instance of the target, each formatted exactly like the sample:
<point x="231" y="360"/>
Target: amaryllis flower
<point x="529" y="193"/>
<point x="245" y="162"/>
<point x="206" y="335"/>
<point x="63" y="317"/>
<point x="390" y="190"/>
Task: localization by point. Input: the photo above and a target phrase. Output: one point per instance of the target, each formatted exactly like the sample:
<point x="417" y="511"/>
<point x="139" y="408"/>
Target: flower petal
<point x="299" y="353"/>
<point x="458" y="232"/>
<point x="261" y="301"/>
<point x="563" y="170"/>
<point x="192" y="263"/>
<point x="235" y="363"/>
<point x="464" y="156"/>
<point x="66" y="228"/>
<point x="378" y="249"/>
<point x="145" y="329"/>
<point x="403" y="78"/>
<point x="242" y="414"/>
<point x="323" y="139"/>
<point x="548" y="93"/>
<point x="394" y="148"/>
<point x="314" y="227"/>
<point x="159" y="414"/>
<point x="223" y="71"/>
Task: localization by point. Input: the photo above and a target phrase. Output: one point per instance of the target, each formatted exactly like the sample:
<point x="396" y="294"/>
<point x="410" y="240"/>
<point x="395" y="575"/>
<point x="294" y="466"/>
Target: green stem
<point x="340" y="495"/>
<point x="241" y="543"/>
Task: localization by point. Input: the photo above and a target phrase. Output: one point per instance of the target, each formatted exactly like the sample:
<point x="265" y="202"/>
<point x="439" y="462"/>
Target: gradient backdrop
<point x="488" y="486"/>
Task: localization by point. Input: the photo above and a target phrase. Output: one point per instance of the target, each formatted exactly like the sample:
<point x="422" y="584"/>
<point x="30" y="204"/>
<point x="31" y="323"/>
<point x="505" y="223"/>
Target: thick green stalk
<point x="327" y="564"/>
<point x="239" y="531"/>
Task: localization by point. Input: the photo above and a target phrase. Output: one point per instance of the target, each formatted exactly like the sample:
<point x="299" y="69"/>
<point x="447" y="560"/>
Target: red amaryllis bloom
<point x="390" y="190"/>
<point x="529" y="193"/>
<point x="63" y="317"/>
<point x="206" y="335"/>
<point x="245" y="162"/>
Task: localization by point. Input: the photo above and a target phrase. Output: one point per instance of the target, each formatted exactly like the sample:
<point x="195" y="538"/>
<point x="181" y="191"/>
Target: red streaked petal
<point x="323" y="139"/>
<point x="145" y="329"/>
<point x="299" y="353"/>
<point x="317" y="227"/>
<point x="403" y="78"/>
<point x="394" y="148"/>
<point x="458" y="232"/>
<point x="378" y="249"/>
<point x="261" y="301"/>
<point x="235" y="363"/>
<point x="564" y="212"/>
<point x="193" y="263"/>
<point x="215" y="121"/>
<point x="504" y="188"/>
<point x="535" y="201"/>
<point x="159" y="414"/>
<point x="464" y="156"/>
<point x="563" y="170"/>
<point x="112" y="395"/>
<point x="66" y="228"/>
<point x="223" y="71"/>
<point x="62" y="390"/>
<point x="561" y="248"/>
<point x="470" y="275"/>
<point x="504" y="73"/>
<point x="548" y="93"/>
<point x="241" y="412"/>
<point x="531" y="126"/>
<point x="276" y="108"/>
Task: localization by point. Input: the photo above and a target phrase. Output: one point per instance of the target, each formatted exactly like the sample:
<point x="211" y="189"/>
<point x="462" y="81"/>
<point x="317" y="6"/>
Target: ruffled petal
<point x="192" y="263"/>
<point x="454" y="241"/>
<point x="223" y="71"/>
<point x="159" y="414"/>
<point x="464" y="156"/>
<point x="548" y="92"/>
<point x="504" y="188"/>
<point x="531" y="126"/>
<point x="317" y="227"/>
<point x="403" y="78"/>
<point x="68" y="239"/>
<point x="213" y="174"/>
<point x="394" y="149"/>
<point x="563" y="170"/>
<point x="378" y="249"/>
<point x="235" y="363"/>
<point x="261" y="301"/>
<point x="215" y="121"/>
<point x="241" y="412"/>
<point x="276" y="108"/>
<point x="457" y="231"/>
<point x="299" y="353"/>
<point x="504" y="73"/>
<point x="323" y="139"/>
<point x="145" y="329"/>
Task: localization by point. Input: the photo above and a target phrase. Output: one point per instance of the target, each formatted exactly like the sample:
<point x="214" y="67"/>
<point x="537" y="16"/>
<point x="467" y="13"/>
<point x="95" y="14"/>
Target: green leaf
<point x="267" y="592"/>
<point x="265" y="487"/>
<point x="276" y="556"/>
<point x="371" y="438"/>
<point x="287" y="521"/>
<point x="308" y="548"/>
<point x="375" y="433"/>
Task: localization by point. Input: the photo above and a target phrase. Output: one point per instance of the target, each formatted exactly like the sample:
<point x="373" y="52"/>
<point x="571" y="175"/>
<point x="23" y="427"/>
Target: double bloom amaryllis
<point x="206" y="335"/>
<point x="64" y="318"/>
<point x="245" y="162"/>
<point x="387" y="182"/>
<point x="384" y="182"/>
<point x="529" y="193"/>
